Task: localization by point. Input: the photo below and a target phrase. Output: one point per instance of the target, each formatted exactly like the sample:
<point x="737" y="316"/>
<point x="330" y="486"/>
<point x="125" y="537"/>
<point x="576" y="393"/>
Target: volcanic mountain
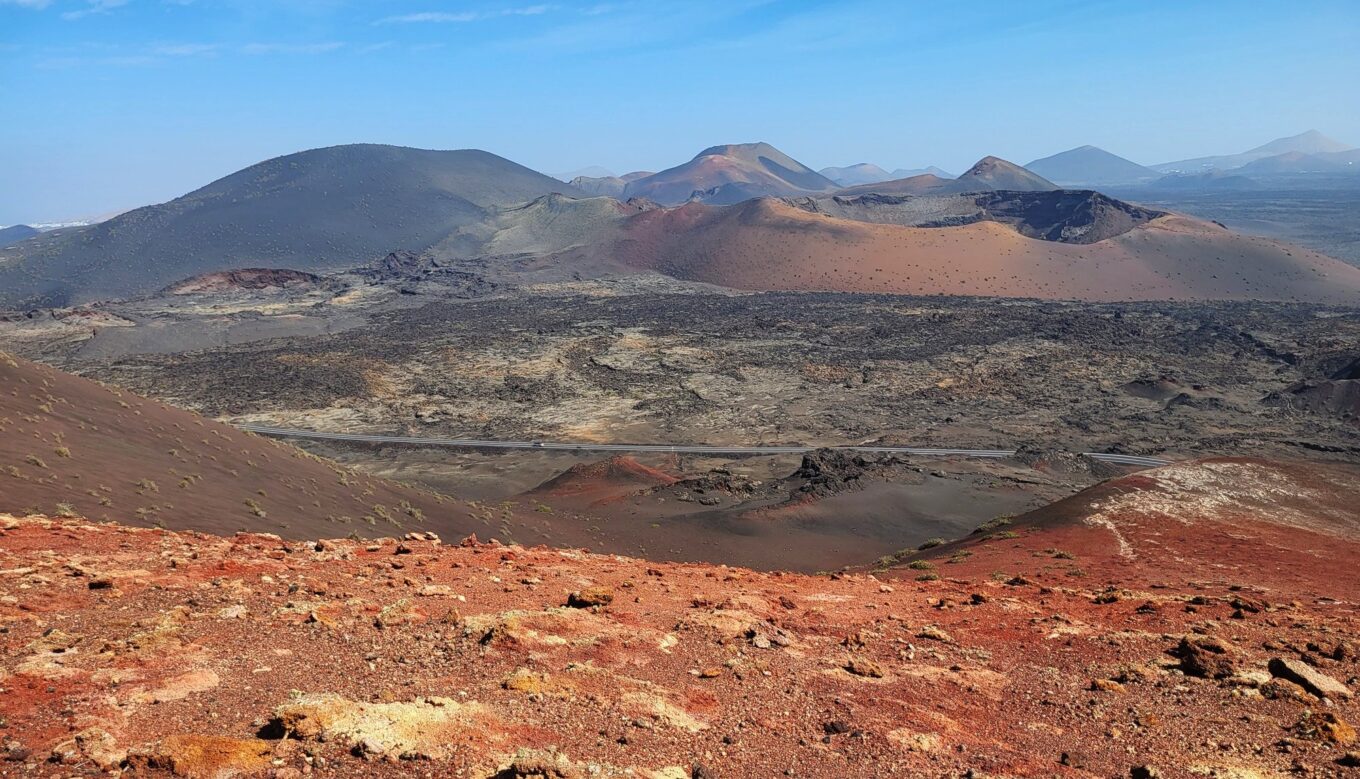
<point x="16" y="233"/>
<point x="989" y="173"/>
<point x="327" y="208"/>
<point x="1310" y="142"/>
<point x="984" y="249"/>
<point x="996" y="173"/>
<point x="1090" y="166"/>
<point x="730" y="174"/>
<point x="861" y="173"/>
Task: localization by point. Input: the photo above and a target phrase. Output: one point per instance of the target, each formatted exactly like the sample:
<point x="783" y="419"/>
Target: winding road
<point x="469" y="443"/>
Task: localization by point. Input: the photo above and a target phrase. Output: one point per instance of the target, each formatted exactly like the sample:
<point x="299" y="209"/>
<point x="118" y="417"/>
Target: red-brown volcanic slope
<point x="70" y="445"/>
<point x="1290" y="530"/>
<point x="198" y="655"/>
<point x="590" y="483"/>
<point x="767" y="245"/>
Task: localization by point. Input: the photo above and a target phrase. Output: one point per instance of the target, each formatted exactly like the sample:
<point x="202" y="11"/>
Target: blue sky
<point x="108" y="104"/>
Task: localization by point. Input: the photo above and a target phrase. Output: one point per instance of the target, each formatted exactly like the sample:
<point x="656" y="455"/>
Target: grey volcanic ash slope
<point x="324" y="208"/>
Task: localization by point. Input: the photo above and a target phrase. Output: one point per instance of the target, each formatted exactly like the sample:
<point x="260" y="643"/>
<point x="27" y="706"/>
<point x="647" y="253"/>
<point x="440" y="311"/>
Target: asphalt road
<point x="469" y="443"/>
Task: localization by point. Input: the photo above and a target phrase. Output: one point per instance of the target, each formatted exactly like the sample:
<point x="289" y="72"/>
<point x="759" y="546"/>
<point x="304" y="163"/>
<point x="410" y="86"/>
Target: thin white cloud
<point x="36" y="5"/>
<point x="291" y="48"/>
<point x="463" y="17"/>
<point x="94" y="7"/>
<point x="186" y="49"/>
<point x="431" y="16"/>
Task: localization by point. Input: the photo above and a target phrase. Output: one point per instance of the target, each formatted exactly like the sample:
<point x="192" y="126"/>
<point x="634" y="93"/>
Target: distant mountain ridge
<point x="868" y="173"/>
<point x="1309" y="142"/>
<point x="859" y="173"/>
<point x="987" y="174"/>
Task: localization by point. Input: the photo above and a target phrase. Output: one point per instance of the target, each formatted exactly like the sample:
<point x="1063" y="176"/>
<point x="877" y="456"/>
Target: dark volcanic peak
<point x="320" y="209"/>
<point x="729" y="174"/>
<point x="1088" y="165"/>
<point x="996" y="173"/>
<point x="16" y="233"/>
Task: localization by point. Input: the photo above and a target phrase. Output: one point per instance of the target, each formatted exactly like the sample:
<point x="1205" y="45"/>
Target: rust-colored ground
<point x="247" y="655"/>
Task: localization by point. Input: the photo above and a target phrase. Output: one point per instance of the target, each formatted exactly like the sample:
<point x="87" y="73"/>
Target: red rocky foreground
<point x="157" y="653"/>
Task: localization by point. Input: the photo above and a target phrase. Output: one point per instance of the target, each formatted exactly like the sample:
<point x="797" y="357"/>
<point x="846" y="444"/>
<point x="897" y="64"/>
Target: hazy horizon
<point x="113" y="104"/>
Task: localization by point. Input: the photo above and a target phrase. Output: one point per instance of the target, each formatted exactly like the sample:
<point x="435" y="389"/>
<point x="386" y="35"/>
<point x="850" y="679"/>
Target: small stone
<point x="1144" y="772"/>
<point x="860" y="666"/>
<point x="101" y="583"/>
<point x="1072" y="759"/>
<point x="1107" y="685"/>
<point x="590" y="598"/>
<point x="1107" y="597"/>
<point x="934" y="634"/>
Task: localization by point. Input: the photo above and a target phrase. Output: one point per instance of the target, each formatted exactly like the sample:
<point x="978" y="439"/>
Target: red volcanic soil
<point x="767" y="244"/>
<point x="597" y="482"/>
<point x="203" y="656"/>
<point x="70" y="445"/>
<point x="1283" y="530"/>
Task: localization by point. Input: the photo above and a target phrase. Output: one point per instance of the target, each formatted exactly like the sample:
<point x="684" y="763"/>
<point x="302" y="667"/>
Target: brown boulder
<point x="1206" y="657"/>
